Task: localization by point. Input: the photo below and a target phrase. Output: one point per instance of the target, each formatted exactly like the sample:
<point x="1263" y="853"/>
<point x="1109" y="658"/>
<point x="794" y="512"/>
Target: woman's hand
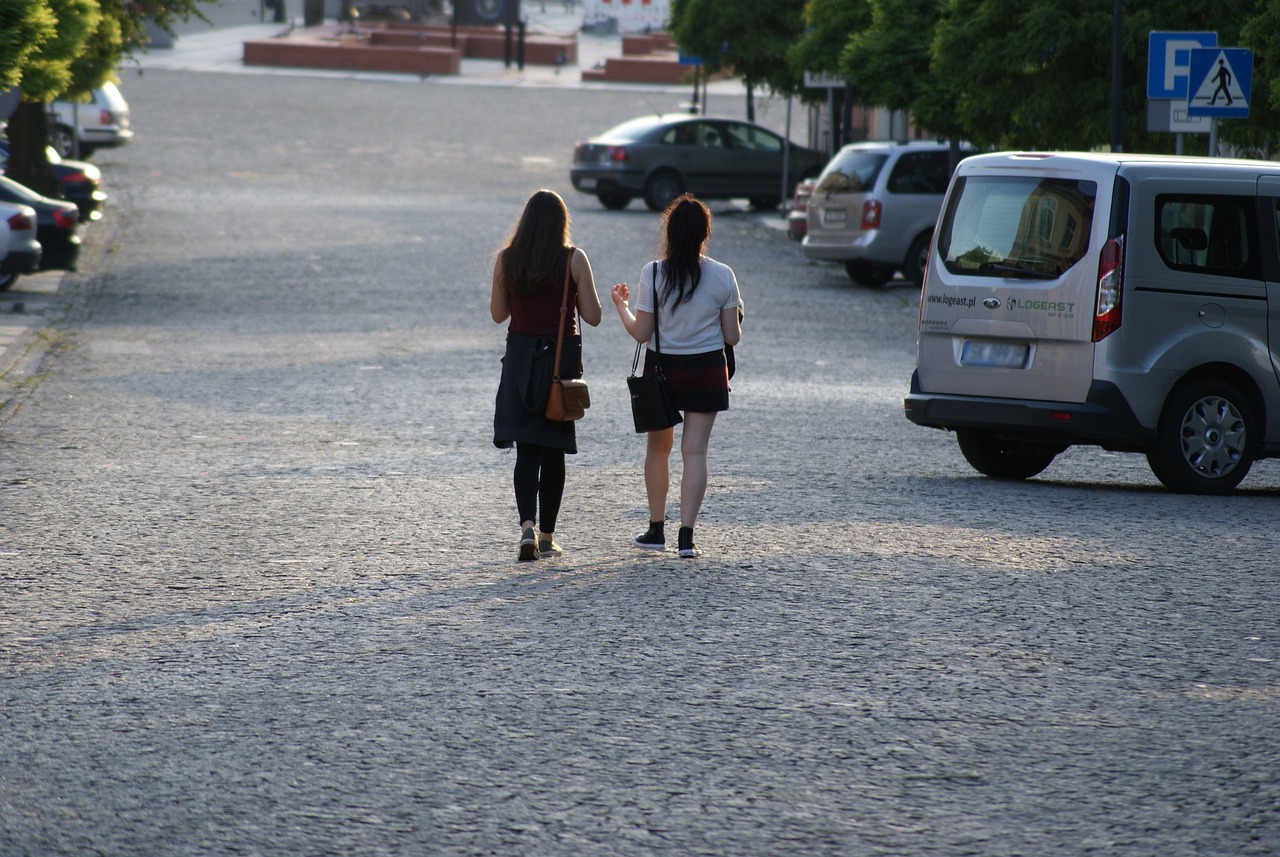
<point x="620" y="294"/>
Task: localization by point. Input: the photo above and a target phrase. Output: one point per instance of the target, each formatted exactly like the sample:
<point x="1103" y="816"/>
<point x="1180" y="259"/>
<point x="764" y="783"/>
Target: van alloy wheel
<point x="1204" y="444"/>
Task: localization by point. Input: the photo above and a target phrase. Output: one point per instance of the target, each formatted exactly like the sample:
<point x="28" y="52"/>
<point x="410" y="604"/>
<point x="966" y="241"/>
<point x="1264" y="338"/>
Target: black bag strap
<point x="657" y="341"/>
<point x="564" y="311"/>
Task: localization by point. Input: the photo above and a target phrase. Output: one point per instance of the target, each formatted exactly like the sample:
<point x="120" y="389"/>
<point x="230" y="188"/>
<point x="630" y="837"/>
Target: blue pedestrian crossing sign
<point x="1221" y="82"/>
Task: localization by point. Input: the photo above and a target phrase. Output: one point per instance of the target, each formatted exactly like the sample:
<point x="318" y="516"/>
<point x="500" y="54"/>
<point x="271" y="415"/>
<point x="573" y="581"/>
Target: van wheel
<point x="1002" y="458"/>
<point x="661" y="188"/>
<point x="917" y="258"/>
<point x="866" y="274"/>
<point x="1206" y="438"/>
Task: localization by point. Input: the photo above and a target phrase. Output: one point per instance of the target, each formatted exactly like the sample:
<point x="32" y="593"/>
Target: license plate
<point x="1005" y="355"/>
<point x="586" y="184"/>
<point x="833" y="215"/>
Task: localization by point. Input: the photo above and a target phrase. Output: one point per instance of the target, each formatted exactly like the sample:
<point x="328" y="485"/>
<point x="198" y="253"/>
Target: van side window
<point x="1208" y="234"/>
<point x="921" y="172"/>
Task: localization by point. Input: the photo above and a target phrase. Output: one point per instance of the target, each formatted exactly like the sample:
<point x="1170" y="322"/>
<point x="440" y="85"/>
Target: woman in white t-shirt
<point x="697" y="303"/>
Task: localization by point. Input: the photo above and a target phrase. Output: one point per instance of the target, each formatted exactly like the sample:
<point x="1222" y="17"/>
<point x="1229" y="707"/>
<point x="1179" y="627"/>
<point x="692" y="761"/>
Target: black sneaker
<point x="652" y="538"/>
<point x="528" y="546"/>
<point x="548" y="547"/>
<point x="688" y="550"/>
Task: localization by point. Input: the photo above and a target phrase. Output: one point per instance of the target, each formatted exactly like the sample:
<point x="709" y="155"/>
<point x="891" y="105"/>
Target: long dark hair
<point x="533" y="258"/>
<point x="686" y="226"/>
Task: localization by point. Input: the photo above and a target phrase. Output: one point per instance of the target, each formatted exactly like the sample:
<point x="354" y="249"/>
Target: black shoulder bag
<point x="651" y="405"/>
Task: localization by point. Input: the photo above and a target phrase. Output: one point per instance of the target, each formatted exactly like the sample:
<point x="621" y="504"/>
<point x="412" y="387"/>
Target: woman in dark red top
<point x="528" y="285"/>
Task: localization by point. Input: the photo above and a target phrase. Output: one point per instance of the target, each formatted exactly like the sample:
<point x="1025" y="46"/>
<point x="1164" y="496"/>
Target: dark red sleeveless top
<point x="539" y="315"/>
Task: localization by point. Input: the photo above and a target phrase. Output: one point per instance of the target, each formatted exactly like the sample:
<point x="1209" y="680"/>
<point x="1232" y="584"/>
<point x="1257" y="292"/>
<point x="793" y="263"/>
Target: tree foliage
<point x="65" y="49"/>
<point x="751" y="37"/>
<point x="1001" y="73"/>
<point x="25" y="26"/>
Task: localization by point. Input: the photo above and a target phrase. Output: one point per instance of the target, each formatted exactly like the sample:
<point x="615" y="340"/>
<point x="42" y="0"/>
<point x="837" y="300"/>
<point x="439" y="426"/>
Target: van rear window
<point x="851" y="172"/>
<point x="1016" y="226"/>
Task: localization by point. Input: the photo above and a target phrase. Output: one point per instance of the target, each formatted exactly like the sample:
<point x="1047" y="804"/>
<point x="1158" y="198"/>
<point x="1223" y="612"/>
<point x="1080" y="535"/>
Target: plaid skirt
<point x="697" y="382"/>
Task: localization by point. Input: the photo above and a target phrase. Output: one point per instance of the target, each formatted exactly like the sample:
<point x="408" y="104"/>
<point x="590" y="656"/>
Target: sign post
<point x="829" y="82"/>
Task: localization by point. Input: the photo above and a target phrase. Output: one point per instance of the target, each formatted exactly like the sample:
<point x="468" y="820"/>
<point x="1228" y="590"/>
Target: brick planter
<point x="353" y="56"/>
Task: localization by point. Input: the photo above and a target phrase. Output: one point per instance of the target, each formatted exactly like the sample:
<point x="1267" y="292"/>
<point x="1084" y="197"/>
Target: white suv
<point x="77" y="128"/>
<point x="874" y="208"/>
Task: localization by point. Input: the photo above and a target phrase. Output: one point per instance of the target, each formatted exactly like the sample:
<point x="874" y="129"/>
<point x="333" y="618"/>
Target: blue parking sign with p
<point x="1169" y="62"/>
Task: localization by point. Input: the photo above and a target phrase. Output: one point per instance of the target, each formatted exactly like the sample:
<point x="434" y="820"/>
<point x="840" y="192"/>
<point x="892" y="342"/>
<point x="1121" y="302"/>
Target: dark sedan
<point x="56" y="223"/>
<point x="660" y="157"/>
<point x="81" y="181"/>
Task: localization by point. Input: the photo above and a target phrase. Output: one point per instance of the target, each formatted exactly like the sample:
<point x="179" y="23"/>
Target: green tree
<point x="1037" y="74"/>
<point x="84" y="42"/>
<point x="751" y="37"/>
<point x="45" y="75"/>
<point x="828" y="26"/>
<point x="25" y="25"/>
<point x="891" y="61"/>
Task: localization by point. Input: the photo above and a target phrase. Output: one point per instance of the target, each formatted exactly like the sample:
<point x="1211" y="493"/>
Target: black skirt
<point x="697" y="382"/>
<point x="519" y="408"/>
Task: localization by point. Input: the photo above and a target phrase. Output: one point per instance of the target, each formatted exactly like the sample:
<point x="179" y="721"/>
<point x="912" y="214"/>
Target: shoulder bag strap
<point x="564" y="311"/>
<point x="657" y="341"/>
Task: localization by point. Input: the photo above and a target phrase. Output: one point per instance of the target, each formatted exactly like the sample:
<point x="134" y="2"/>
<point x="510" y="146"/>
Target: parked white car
<point x="77" y="128"/>
<point x="21" y="249"/>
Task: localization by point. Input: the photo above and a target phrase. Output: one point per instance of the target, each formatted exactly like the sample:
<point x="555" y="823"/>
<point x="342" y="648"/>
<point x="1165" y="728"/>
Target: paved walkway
<point x="24" y="309"/>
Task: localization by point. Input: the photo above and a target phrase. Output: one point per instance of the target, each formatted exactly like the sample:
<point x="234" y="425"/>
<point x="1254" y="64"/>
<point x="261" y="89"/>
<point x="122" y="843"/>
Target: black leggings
<point x="539" y="482"/>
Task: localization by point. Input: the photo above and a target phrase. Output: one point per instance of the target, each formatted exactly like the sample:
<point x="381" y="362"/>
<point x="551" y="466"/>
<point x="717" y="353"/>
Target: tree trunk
<point x="28" y="139"/>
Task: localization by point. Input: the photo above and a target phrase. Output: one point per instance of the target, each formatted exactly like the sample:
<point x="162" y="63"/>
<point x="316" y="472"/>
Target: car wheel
<point x="866" y="274"/>
<point x="661" y="188"/>
<point x="1003" y="458"/>
<point x="614" y="201"/>
<point x="63" y="140"/>
<point x="7" y="280"/>
<point x="917" y="258"/>
<point x="1205" y="438"/>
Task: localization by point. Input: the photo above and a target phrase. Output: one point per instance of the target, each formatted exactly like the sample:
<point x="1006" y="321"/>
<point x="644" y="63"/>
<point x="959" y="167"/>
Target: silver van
<point x="874" y="208"/>
<point x="1130" y="302"/>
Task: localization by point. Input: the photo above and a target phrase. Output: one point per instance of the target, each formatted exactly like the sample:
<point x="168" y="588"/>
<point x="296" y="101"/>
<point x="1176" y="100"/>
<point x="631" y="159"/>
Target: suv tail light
<point x="871" y="211"/>
<point x="21" y="223"/>
<point x="66" y="218"/>
<point x="1106" y="314"/>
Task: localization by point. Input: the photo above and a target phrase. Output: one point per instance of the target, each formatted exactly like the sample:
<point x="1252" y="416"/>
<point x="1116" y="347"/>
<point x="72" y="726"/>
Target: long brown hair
<point x="533" y="258"/>
<point x="686" y="226"/>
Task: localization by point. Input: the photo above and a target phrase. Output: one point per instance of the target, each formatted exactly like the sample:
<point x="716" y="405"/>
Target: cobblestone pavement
<point x="259" y="588"/>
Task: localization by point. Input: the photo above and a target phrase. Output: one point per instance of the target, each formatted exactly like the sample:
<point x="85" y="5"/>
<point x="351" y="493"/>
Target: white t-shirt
<point x="694" y="326"/>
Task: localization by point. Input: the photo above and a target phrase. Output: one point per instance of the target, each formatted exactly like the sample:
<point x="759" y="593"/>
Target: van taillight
<point x="871" y="210"/>
<point x="1106" y="314"/>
